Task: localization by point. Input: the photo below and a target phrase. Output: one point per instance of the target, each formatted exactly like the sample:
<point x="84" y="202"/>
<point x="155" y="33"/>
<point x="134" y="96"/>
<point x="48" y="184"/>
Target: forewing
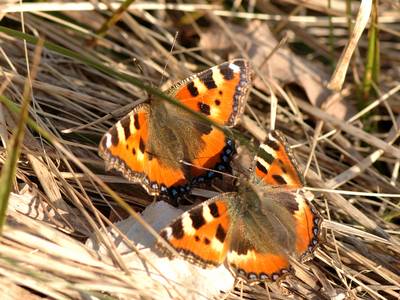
<point x="125" y="148"/>
<point x="200" y="234"/>
<point x="275" y="165"/>
<point x="220" y="92"/>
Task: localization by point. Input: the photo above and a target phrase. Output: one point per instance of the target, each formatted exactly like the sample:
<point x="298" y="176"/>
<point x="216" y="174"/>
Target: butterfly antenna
<point x="207" y="169"/>
<point x="166" y="64"/>
<point x="139" y="66"/>
<point x="141" y="70"/>
<point x="281" y="43"/>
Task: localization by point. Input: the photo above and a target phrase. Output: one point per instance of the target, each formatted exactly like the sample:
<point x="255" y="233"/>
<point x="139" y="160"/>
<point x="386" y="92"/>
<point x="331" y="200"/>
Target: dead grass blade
<point x="10" y="166"/>
<point x="339" y="75"/>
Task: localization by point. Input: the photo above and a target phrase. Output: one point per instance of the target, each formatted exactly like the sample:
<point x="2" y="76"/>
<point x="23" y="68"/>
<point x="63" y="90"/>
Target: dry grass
<point x="350" y="155"/>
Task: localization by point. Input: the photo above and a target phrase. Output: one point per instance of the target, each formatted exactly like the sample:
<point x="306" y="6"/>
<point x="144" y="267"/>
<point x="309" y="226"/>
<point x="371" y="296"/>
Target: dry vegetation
<point x="345" y="141"/>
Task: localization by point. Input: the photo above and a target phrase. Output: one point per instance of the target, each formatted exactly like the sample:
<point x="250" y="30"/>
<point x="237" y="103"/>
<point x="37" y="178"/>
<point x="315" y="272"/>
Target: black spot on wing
<point x="243" y="246"/>
<point x="262" y="168"/>
<point x="196" y="215"/>
<point x="204" y="108"/>
<point x="136" y="121"/>
<point x="133" y="151"/>
<point x="126" y="125"/>
<point x="266" y="156"/>
<point x="207" y="78"/>
<point x="274" y="145"/>
<point x="279" y="179"/>
<point x="240" y="63"/>
<point x="193" y="89"/>
<point x="217" y="102"/>
<point x="220" y="234"/>
<point x="114" y="136"/>
<point x="104" y="142"/>
<point x="226" y="71"/>
<point x="207" y="241"/>
<point x="142" y="145"/>
<point x="163" y="234"/>
<point x="214" y="210"/>
<point x="177" y="230"/>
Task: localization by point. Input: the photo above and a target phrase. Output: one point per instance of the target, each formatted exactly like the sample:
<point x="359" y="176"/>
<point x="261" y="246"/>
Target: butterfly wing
<point x="268" y="232"/>
<point x="252" y="264"/>
<point x="275" y="165"/>
<point x="220" y="92"/>
<point x="304" y="218"/>
<point x="308" y="226"/>
<point x="148" y="153"/>
<point x="200" y="235"/>
<point x="125" y="148"/>
<point x="277" y="224"/>
<point x="215" y="153"/>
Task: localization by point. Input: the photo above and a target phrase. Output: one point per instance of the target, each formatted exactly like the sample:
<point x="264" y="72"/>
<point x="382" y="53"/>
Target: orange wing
<point x="200" y="235"/>
<point x="257" y="250"/>
<point x="215" y="155"/>
<point x="308" y="226"/>
<point x="262" y="242"/>
<point x="275" y="165"/>
<point x="124" y="147"/>
<point x="219" y="92"/>
<point x="254" y="266"/>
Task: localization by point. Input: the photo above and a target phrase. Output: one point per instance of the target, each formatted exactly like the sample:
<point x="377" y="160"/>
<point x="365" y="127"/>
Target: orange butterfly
<point x="165" y="148"/>
<point x="258" y="228"/>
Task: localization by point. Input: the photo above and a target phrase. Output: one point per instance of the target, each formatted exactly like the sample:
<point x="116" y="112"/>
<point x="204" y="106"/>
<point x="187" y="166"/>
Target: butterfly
<point x="167" y="149"/>
<point x="256" y="230"/>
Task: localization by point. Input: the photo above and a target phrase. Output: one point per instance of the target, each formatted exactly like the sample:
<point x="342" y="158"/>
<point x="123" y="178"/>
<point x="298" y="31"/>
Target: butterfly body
<point x="166" y="148"/>
<point x="257" y="230"/>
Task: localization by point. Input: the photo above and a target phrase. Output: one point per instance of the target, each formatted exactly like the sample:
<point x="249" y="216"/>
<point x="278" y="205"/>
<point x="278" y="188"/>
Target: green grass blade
<point x="9" y="169"/>
<point x="373" y="62"/>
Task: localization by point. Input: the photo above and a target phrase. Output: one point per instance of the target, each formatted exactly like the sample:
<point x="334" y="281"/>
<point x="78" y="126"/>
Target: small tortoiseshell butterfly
<point x="256" y="230"/>
<point x="164" y="147"/>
